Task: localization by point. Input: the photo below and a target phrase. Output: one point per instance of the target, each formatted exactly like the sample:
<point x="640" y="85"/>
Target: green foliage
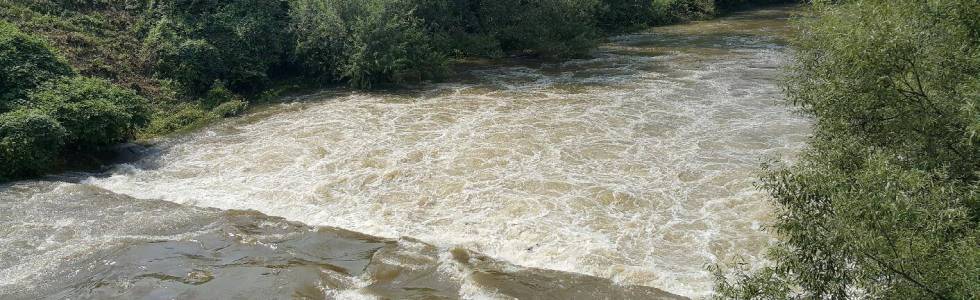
<point x="98" y="38"/>
<point x="192" y="63"/>
<point x="388" y="44"/>
<point x="238" y="41"/>
<point x="619" y="15"/>
<point x="364" y="42"/>
<point x="891" y="64"/>
<point x="550" y="28"/>
<point x="30" y="143"/>
<point x="230" y="108"/>
<point x="94" y="112"/>
<point x="737" y="4"/>
<point x="217" y="94"/>
<point x="25" y="62"/>
<point x="678" y="11"/>
<point x="174" y="52"/>
<point x="224" y="102"/>
<point x="456" y="29"/>
<point x="886" y="202"/>
<point x="182" y="117"/>
<point x="245" y="43"/>
<point x="321" y="29"/>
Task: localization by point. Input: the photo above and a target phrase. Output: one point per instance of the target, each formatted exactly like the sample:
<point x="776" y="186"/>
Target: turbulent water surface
<point x="614" y="176"/>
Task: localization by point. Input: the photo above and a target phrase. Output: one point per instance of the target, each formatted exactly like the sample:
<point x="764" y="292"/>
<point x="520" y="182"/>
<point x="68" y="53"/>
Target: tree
<point x="389" y="44"/>
<point x="240" y="42"/>
<point x="885" y="203"/>
<point x="619" y="15"/>
<point x="30" y="143"/>
<point x="94" y="113"/>
<point x="364" y="42"/>
<point x="549" y="28"/>
<point x="321" y="30"/>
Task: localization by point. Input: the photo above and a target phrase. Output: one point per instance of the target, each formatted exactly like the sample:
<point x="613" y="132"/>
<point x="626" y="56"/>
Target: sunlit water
<point x="637" y="165"/>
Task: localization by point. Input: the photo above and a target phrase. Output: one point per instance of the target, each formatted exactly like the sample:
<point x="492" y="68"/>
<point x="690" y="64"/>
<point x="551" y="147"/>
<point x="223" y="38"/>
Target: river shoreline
<point x="635" y="167"/>
<point x="208" y="253"/>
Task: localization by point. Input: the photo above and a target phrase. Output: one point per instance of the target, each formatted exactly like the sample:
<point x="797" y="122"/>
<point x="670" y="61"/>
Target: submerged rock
<point x="75" y="241"/>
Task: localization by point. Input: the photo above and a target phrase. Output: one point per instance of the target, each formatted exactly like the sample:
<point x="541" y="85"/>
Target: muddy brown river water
<point x="617" y="177"/>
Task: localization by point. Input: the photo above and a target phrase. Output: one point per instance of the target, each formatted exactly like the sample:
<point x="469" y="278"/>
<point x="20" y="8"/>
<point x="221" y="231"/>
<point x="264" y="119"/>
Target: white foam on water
<point x="634" y="168"/>
<point x="43" y="231"/>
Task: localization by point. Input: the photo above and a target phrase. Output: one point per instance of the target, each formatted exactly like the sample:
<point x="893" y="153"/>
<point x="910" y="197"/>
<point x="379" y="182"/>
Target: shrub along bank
<point x="78" y="76"/>
<point x="45" y="108"/>
<point x="885" y="203"/>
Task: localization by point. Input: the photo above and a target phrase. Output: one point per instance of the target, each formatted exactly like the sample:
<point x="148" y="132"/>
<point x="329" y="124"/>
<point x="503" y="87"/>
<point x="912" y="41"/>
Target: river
<point x="619" y="176"/>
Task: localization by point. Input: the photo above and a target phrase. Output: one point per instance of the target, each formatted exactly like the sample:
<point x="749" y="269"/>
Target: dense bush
<point x="736" y="4"/>
<point x="217" y="94"/>
<point x="192" y="63"/>
<point x="677" y="11"/>
<point x="223" y="103"/>
<point x="364" y="42"/>
<point x="184" y="116"/>
<point x="321" y="29"/>
<point x="456" y="29"/>
<point x="619" y="15"/>
<point x="30" y="143"/>
<point x="95" y="113"/>
<point x="53" y="110"/>
<point x="551" y="28"/>
<point x="25" y="62"/>
<point x="388" y="44"/>
<point x="232" y="107"/>
<point x="240" y="42"/>
<point x="886" y="202"/>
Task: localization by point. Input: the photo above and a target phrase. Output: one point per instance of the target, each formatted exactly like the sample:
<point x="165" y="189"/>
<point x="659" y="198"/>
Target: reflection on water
<point x="636" y="166"/>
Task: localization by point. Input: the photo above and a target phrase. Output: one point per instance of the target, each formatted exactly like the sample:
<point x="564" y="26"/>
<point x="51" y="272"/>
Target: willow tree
<point x="885" y="202"/>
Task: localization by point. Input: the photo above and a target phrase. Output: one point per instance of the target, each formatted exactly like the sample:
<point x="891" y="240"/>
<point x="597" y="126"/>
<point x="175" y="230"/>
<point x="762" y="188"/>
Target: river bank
<point x="635" y="167"/>
<point x="103" y="245"/>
